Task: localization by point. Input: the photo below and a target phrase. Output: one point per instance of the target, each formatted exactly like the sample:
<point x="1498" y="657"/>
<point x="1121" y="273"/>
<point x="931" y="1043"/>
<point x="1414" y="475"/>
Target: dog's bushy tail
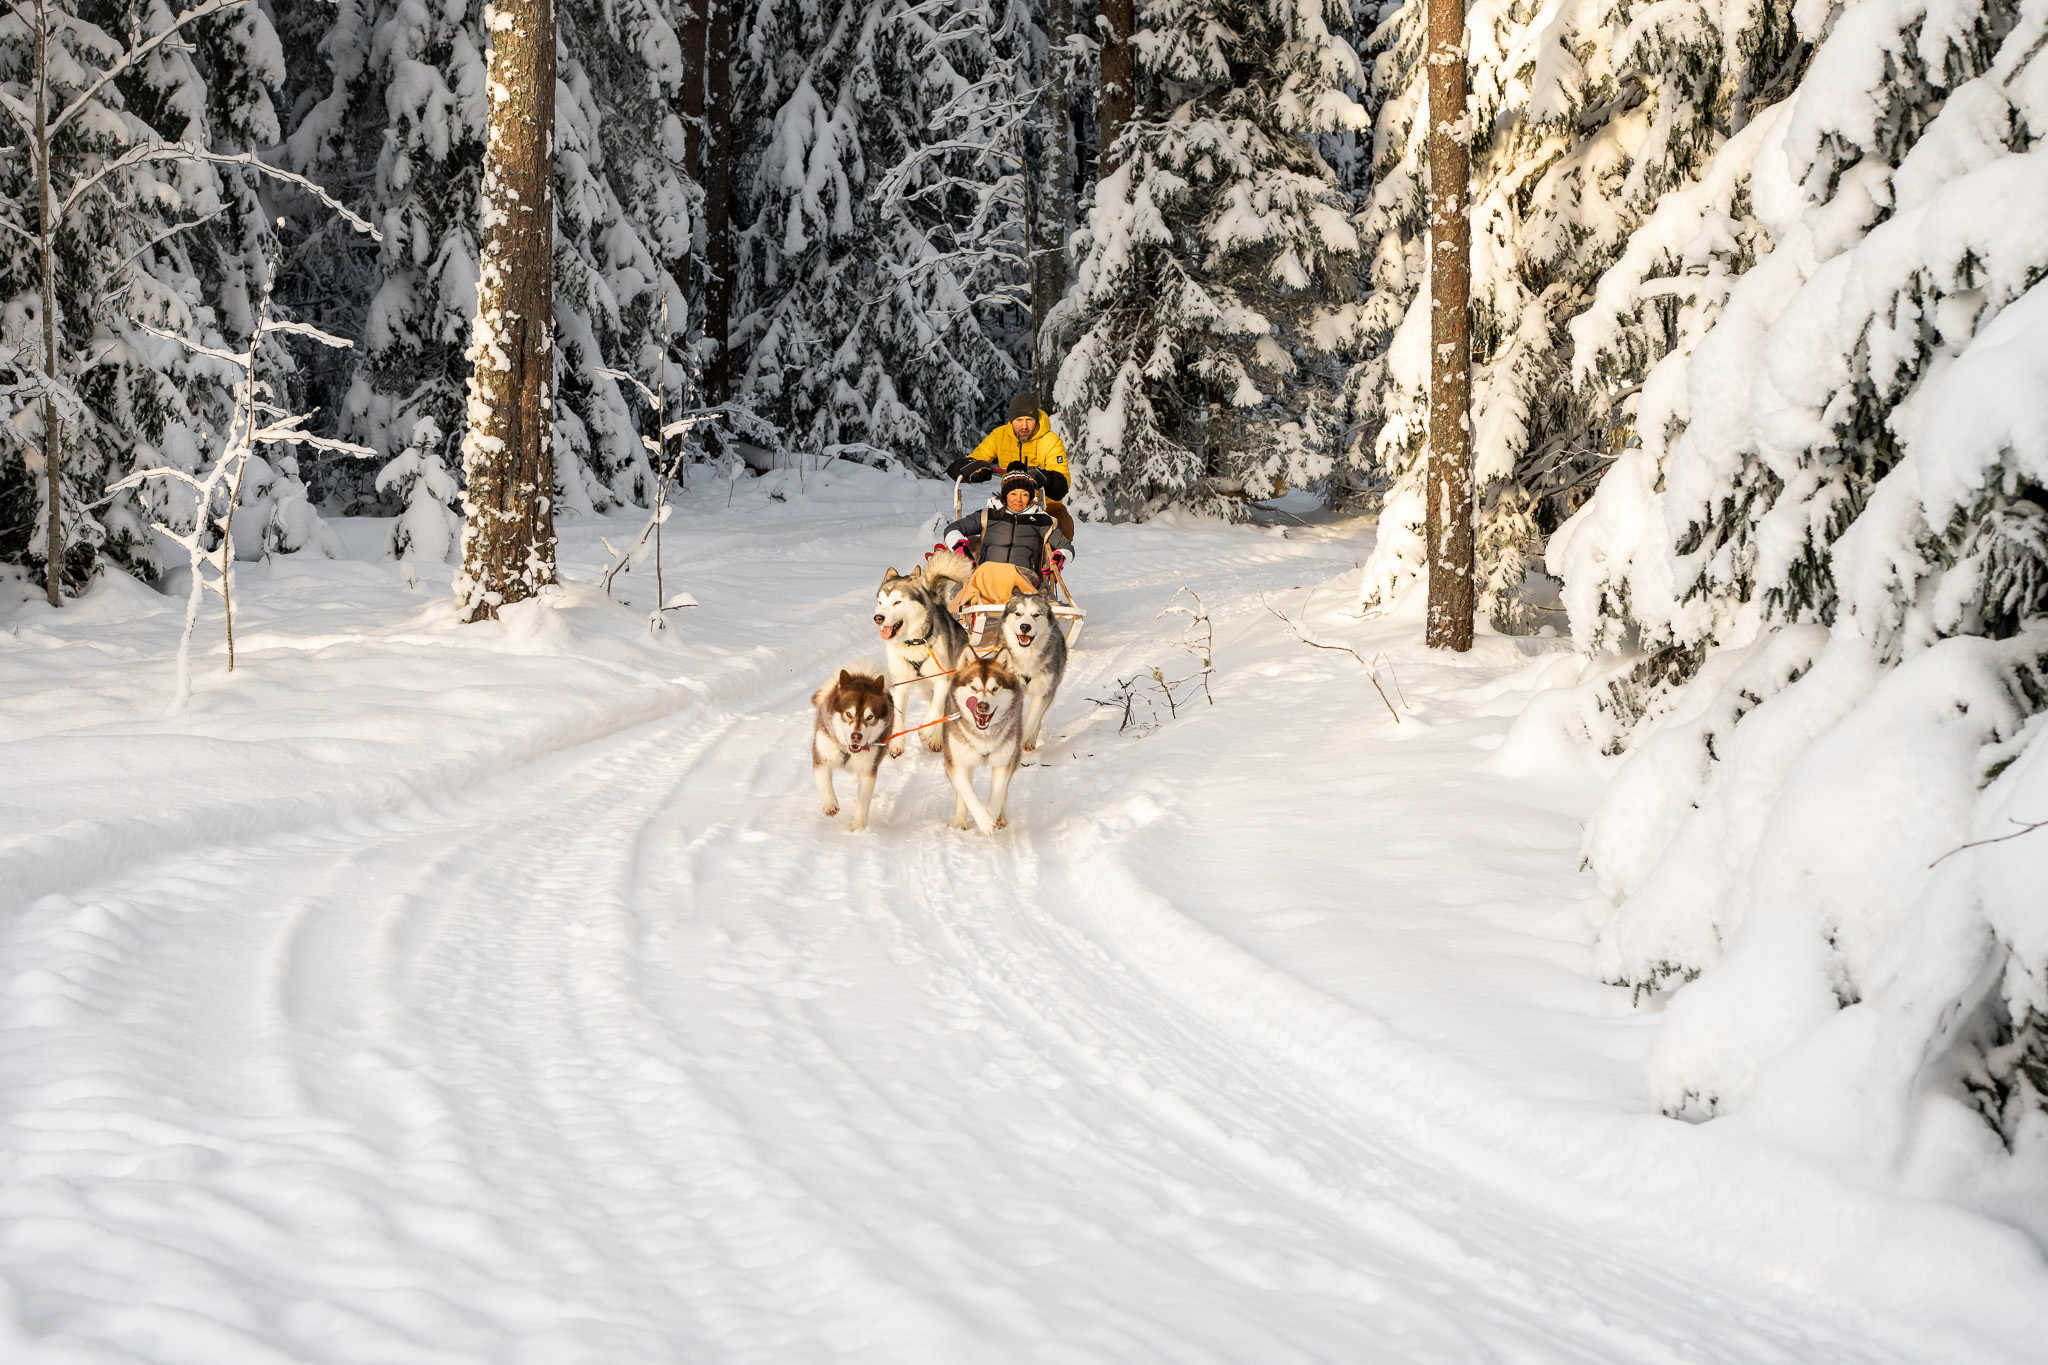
<point x="947" y="566"/>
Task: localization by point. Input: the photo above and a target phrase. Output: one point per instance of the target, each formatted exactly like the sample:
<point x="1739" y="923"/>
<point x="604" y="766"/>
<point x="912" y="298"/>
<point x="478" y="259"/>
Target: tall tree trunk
<point x="1050" y="225"/>
<point x="46" y="230"/>
<point x="508" y="534"/>
<point x="689" y="107"/>
<point x="1449" y="516"/>
<point x="1119" y="78"/>
<point x="690" y="97"/>
<point x="718" y="198"/>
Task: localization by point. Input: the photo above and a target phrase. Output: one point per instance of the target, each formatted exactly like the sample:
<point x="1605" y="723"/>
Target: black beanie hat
<point x="1023" y="405"/>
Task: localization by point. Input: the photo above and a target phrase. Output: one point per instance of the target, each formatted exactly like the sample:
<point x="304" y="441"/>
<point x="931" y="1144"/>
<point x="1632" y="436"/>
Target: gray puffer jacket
<point x="1025" y="539"/>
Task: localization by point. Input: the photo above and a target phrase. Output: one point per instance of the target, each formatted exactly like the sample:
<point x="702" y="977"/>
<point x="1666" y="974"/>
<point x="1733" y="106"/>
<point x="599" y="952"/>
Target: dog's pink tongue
<point x="889" y="631"/>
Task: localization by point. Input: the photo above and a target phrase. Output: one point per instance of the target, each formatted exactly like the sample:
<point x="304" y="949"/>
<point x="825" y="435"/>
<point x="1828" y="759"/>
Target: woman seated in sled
<point x="1016" y="544"/>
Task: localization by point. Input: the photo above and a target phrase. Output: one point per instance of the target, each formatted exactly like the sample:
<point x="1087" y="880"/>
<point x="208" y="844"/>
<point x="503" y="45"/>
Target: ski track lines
<point x="611" y="1049"/>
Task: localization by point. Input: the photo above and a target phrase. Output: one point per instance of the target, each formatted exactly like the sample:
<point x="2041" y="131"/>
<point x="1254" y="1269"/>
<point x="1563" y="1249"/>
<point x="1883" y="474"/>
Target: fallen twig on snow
<point x="2025" y="827"/>
<point x="1346" y="649"/>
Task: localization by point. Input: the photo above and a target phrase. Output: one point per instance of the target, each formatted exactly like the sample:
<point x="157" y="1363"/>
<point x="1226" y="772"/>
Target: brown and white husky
<point x="987" y="732"/>
<point x="853" y="722"/>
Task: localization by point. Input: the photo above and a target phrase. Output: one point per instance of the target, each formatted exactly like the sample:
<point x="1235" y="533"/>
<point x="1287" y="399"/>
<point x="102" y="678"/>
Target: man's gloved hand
<point x="970" y="470"/>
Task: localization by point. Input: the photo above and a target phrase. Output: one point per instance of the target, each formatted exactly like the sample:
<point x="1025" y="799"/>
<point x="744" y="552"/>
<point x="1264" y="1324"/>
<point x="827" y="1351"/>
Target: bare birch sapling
<point x="254" y="421"/>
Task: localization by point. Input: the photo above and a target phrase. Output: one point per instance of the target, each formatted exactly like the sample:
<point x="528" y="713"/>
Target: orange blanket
<point x="992" y="584"/>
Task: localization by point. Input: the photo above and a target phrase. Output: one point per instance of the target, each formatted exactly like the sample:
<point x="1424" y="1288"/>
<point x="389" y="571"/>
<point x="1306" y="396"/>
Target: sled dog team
<point x="1001" y="699"/>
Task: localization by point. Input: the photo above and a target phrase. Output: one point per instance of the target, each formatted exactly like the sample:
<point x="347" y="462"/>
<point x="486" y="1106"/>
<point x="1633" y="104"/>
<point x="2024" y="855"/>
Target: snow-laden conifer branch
<point x="128" y="60"/>
<point x="187" y="151"/>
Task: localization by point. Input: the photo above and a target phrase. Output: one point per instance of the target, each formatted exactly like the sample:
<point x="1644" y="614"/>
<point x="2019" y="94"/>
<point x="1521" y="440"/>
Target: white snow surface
<point x="456" y="993"/>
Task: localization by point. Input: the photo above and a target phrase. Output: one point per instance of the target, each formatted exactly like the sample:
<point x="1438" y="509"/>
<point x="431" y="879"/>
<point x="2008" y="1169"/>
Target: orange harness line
<point x="926" y="726"/>
<point x="993" y="650"/>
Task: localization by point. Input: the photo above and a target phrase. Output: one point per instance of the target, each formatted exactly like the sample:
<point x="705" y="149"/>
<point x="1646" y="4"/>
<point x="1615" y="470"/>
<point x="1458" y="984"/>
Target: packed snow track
<point x="437" y="994"/>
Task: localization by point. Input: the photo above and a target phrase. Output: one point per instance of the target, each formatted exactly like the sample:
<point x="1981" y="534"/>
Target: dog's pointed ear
<point x="846" y="679"/>
<point x="890" y="576"/>
<point x="1017" y="592"/>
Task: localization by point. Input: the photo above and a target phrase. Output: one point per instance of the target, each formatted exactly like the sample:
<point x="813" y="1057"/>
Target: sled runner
<point x="980" y="619"/>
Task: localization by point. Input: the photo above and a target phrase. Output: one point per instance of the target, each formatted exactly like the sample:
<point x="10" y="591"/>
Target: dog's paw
<point x="1002" y="822"/>
<point x="1031" y="745"/>
<point x="959" y="824"/>
<point x="829" y="810"/>
<point x="896" y="749"/>
<point x="859" y="823"/>
<point x="935" y="745"/>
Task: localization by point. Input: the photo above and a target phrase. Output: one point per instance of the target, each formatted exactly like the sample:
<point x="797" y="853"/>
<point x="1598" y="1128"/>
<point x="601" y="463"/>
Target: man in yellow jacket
<point x="1026" y="442"/>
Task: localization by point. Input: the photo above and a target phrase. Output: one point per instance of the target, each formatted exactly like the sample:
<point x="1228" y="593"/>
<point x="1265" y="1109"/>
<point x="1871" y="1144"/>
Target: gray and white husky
<point x="922" y="643"/>
<point x="1036" y="652"/>
<point x="854" y="716"/>
<point x="988" y="733"/>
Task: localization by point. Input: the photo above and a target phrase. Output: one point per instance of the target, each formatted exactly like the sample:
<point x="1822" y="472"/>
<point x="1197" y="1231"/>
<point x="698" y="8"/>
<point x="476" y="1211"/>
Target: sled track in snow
<point x="615" y="1050"/>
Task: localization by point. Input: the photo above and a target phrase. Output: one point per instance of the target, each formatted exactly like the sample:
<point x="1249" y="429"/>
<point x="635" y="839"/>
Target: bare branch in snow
<point x="1346" y="649"/>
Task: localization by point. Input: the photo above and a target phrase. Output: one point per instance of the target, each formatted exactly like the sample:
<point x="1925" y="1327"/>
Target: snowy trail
<point x="608" y="1047"/>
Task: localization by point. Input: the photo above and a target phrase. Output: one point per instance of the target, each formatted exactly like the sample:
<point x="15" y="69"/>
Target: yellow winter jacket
<point x="1044" y="452"/>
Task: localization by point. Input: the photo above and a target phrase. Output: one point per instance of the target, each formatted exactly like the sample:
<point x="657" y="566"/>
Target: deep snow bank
<point x="1820" y="578"/>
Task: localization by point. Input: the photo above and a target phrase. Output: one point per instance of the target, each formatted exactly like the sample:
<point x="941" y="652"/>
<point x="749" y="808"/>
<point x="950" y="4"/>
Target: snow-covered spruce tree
<point x="1583" y="118"/>
<point x="427" y="531"/>
<point x="1216" y="268"/>
<point x="164" y="239"/>
<point x="402" y="117"/>
<point x="401" y="124"/>
<point x="1829" y="555"/>
<point x="623" y="215"/>
<point x="887" y="319"/>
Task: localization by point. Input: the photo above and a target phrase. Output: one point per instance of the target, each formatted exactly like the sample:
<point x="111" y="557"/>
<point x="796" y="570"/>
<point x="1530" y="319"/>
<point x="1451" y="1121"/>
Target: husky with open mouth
<point x="987" y="732"/>
<point x="1035" y="650"/>
<point x="922" y="644"/>
<point x="853" y="720"/>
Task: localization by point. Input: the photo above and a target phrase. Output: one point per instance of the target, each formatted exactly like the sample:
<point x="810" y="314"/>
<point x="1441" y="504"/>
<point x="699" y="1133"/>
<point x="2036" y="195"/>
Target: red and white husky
<point x="852" y="727"/>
